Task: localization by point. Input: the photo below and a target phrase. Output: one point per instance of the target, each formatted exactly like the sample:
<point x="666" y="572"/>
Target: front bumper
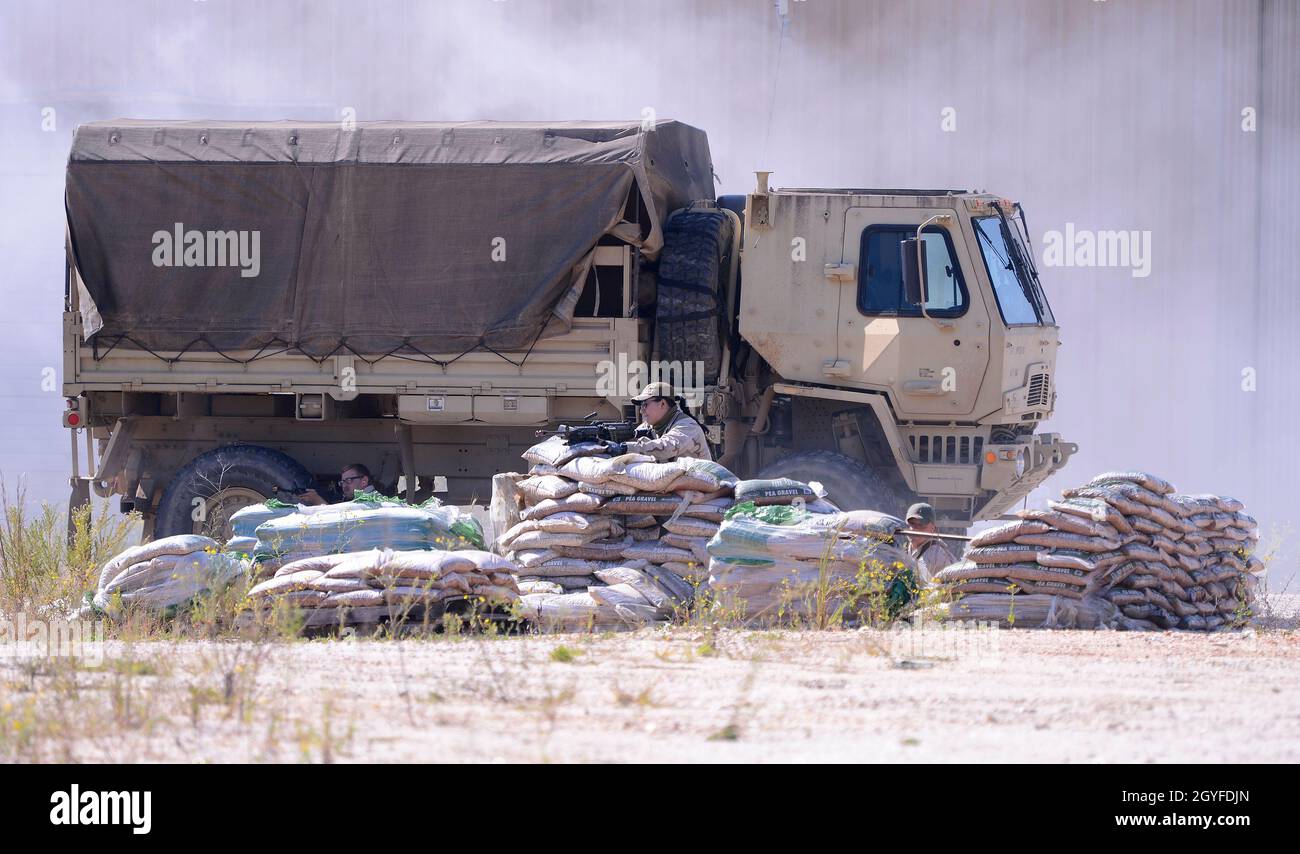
<point x="1033" y="459"/>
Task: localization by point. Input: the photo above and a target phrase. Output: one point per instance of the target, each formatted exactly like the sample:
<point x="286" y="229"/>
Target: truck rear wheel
<point x="850" y="485"/>
<point x="689" y="314"/>
<point x="222" y="481"/>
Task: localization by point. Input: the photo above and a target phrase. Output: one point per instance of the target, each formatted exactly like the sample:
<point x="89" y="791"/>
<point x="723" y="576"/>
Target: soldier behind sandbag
<point x="932" y="554"/>
<point x="676" y="433"/>
<point x="353" y="479"/>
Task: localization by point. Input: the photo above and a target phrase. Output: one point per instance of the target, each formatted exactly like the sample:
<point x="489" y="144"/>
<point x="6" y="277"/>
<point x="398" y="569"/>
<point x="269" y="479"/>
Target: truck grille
<point x="1040" y="390"/>
<point x="952" y="450"/>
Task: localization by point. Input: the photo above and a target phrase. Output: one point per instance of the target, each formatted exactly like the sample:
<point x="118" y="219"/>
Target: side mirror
<point x="911" y="270"/>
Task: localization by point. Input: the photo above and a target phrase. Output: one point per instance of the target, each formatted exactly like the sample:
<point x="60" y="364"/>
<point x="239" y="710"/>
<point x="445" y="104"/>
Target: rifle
<point x="601" y="431"/>
<point x="293" y="491"/>
<point x="936" y="534"/>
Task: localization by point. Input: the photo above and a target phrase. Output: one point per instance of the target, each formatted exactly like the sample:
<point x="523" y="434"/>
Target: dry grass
<point x="41" y="571"/>
<point x="220" y="681"/>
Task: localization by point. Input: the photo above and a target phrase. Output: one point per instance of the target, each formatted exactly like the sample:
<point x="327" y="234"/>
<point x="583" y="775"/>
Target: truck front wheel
<point x="209" y="488"/>
<point x="849" y="484"/>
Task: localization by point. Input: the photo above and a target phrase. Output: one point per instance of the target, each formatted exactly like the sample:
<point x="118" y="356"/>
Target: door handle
<point x="838" y="274"/>
<point x="931" y="388"/>
<point x="836" y="367"/>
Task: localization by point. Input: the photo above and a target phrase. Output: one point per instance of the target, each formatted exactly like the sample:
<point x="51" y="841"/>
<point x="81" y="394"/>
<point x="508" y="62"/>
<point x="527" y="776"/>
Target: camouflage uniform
<point x="679" y="436"/>
<point x="932" y="556"/>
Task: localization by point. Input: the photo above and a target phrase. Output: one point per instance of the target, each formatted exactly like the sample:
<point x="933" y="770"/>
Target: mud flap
<point x="80" y="498"/>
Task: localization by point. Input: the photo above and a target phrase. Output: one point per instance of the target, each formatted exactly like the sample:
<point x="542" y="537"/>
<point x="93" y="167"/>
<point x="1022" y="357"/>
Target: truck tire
<point x="850" y="485"/>
<point x="689" y="314"/>
<point x="226" y="479"/>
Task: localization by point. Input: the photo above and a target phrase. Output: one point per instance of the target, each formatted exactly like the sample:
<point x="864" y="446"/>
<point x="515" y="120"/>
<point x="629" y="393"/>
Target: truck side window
<point x="880" y="274"/>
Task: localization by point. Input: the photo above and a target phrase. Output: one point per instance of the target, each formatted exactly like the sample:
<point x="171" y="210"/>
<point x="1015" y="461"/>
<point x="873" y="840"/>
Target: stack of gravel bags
<point x="1035" y="610"/>
<point x="784" y="491"/>
<point x="165" y="573"/>
<point x="771" y="564"/>
<point x="564" y="541"/>
<point x="364" y="524"/>
<point x="1203" y="580"/>
<point x="395" y="580"/>
<point x="580" y="518"/>
<point x="1162" y="560"/>
<point x="626" y="596"/>
<point x="245" y="521"/>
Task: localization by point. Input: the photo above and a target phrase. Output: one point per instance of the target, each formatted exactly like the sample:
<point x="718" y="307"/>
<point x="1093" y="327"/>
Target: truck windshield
<point x="1011" y="270"/>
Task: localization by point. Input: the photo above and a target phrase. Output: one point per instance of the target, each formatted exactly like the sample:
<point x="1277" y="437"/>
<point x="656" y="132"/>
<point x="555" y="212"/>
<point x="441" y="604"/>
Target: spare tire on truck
<point x="222" y="481"/>
<point x="849" y="484"/>
<point x="690" y="313"/>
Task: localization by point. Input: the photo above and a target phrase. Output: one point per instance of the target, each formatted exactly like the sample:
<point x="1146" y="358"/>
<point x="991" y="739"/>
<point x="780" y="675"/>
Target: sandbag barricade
<point x="608" y="542"/>
<point x="774" y="565"/>
<point x="396" y="581"/>
<point x="165" y="573"/>
<point x="1162" y="560"/>
<point x="362" y="525"/>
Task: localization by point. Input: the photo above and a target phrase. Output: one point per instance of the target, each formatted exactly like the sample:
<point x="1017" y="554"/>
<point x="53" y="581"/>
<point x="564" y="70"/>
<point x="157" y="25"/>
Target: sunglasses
<point x="350" y="479"/>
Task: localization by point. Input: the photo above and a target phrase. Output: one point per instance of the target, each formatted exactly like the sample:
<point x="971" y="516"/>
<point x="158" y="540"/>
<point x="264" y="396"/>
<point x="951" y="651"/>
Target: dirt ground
<point x="675" y="695"/>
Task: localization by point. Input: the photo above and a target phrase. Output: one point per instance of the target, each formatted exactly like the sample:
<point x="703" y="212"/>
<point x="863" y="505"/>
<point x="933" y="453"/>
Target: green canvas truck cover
<point x="370" y="237"/>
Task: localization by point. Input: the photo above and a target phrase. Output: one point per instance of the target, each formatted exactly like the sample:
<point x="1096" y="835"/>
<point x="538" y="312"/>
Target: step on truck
<point x="250" y="307"/>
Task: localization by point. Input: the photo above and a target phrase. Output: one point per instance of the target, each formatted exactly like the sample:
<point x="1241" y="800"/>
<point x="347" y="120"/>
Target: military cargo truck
<point x="250" y="307"/>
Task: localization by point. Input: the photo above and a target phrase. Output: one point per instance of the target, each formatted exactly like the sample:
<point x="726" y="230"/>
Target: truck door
<point x="932" y="366"/>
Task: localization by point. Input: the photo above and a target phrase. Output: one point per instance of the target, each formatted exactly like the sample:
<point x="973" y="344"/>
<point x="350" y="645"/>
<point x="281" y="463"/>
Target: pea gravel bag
<point x="1167" y="560"/>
